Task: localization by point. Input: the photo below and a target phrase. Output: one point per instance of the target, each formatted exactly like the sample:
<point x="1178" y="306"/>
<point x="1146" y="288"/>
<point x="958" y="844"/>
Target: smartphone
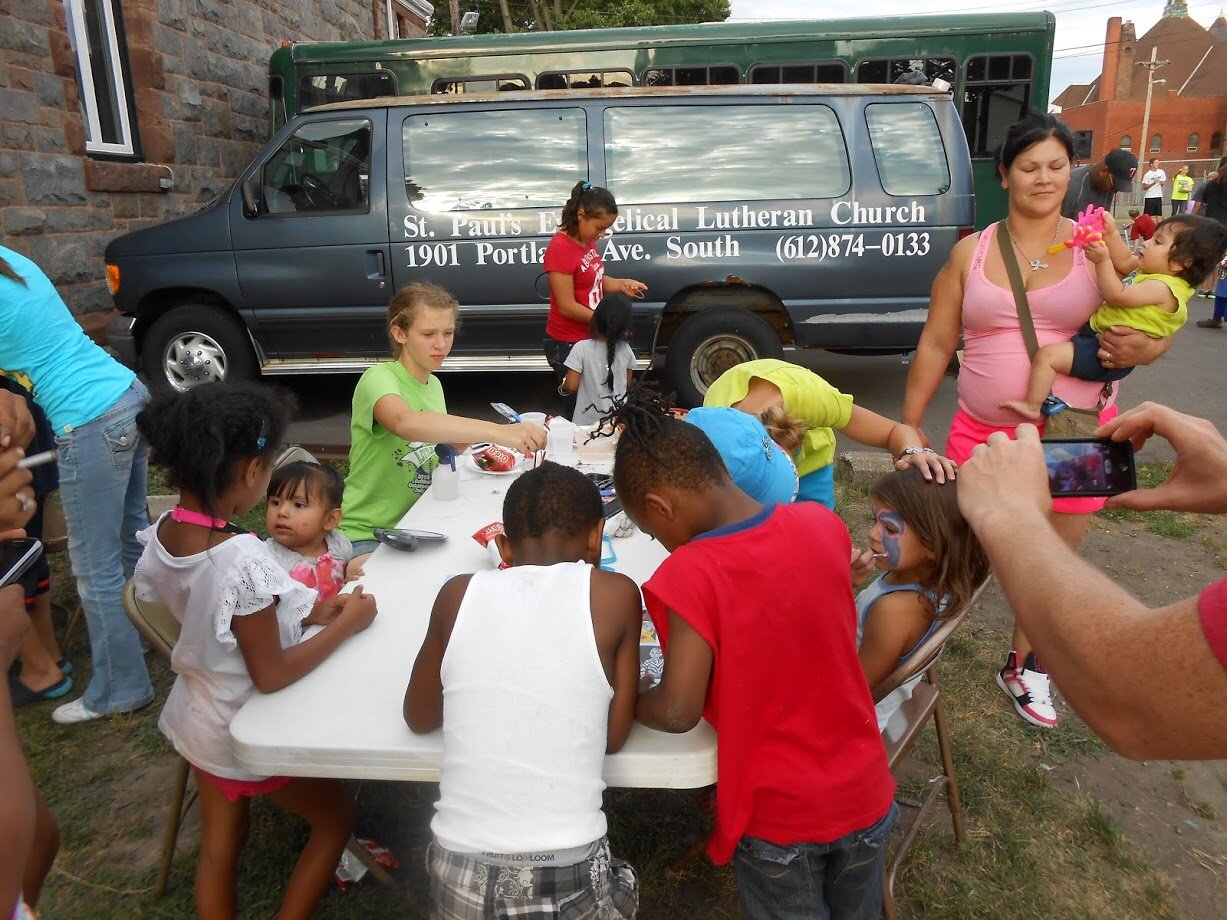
<point x="16" y="556"/>
<point x="407" y="539"/>
<point x="1089" y="467"/>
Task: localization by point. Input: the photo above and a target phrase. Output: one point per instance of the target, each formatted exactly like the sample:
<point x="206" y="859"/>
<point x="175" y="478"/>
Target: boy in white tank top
<point x="532" y="672"/>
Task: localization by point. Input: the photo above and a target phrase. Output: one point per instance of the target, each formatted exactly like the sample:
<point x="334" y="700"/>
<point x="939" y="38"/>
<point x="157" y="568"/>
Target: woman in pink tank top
<point x="972" y="299"/>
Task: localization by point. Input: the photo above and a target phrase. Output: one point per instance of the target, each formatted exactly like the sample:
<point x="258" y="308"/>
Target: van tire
<point x="196" y="344"/>
<point x="712" y="341"/>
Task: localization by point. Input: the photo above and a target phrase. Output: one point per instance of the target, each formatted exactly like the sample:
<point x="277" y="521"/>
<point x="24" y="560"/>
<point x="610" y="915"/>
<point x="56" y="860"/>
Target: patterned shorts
<point x="464" y="888"/>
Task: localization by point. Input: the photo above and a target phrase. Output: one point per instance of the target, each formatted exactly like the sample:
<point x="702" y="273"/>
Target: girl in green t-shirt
<point x="399" y="415"/>
<point x="1182" y="184"/>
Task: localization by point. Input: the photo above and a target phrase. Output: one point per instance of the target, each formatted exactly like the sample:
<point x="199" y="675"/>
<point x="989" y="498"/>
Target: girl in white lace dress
<point x="242" y="620"/>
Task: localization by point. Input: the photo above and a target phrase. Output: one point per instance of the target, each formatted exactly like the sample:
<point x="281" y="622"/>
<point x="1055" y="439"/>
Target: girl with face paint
<point x="931" y="563"/>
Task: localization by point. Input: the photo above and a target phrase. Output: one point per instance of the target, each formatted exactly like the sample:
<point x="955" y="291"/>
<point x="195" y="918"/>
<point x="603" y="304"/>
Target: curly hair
<point x="932" y="511"/>
<point x="199" y="437"/>
<point x="554" y="498"/>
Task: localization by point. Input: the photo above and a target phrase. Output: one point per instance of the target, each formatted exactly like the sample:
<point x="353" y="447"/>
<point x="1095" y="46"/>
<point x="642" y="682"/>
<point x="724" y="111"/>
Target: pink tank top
<point x="995" y="362"/>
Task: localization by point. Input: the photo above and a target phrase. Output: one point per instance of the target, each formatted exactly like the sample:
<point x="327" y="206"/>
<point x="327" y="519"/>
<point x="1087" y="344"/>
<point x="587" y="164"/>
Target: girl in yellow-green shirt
<point x="1182" y="185"/>
<point x="800" y="409"/>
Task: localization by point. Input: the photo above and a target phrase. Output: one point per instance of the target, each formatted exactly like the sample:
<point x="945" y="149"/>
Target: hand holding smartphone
<point x="1088" y="467"/>
<point x="16" y="556"/>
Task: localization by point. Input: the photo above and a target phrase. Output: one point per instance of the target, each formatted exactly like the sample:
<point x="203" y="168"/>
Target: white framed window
<point x="403" y="16"/>
<point x="95" y="28"/>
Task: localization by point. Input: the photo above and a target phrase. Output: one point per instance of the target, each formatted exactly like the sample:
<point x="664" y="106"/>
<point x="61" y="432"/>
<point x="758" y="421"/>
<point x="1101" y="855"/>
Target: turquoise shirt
<point x="75" y="381"/>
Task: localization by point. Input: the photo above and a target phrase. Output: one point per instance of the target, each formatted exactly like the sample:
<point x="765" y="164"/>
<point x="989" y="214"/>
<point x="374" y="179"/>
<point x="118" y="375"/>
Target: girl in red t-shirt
<point x="577" y="276"/>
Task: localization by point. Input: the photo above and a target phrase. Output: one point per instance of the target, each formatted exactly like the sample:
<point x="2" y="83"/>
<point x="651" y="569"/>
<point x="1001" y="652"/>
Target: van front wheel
<point x="712" y="341"/>
<point x="196" y="344"/>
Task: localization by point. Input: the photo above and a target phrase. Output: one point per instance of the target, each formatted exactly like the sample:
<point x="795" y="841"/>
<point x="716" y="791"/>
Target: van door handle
<point x="380" y="273"/>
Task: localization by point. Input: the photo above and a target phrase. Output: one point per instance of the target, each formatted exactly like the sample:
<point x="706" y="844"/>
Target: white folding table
<point x="344" y="719"/>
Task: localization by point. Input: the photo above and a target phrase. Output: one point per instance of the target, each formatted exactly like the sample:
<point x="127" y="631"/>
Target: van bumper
<point x="122" y="338"/>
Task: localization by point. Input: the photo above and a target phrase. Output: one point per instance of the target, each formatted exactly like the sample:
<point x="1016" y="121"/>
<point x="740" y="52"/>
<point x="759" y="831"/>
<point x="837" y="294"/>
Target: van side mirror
<point x="248" y="191"/>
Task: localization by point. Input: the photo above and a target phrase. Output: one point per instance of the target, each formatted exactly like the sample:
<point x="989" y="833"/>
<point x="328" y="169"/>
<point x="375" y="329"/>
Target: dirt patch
<point x="1171" y="814"/>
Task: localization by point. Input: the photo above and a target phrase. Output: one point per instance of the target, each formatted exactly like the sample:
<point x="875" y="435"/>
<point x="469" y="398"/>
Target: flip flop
<point x="24" y="696"/>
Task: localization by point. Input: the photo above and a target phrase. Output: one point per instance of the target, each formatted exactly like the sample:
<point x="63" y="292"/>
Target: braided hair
<point x="596" y="202"/>
<point x="655" y="448"/>
<point x="611" y="321"/>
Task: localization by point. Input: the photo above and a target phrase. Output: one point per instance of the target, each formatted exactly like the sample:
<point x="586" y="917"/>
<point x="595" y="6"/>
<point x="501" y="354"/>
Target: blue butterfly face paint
<point x="891" y="528"/>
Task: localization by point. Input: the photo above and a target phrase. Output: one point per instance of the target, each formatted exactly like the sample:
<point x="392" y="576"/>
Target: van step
<point x="456" y="364"/>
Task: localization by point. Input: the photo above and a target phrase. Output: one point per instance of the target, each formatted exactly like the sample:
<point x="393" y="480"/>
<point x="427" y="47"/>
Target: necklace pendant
<point x="1037" y="264"/>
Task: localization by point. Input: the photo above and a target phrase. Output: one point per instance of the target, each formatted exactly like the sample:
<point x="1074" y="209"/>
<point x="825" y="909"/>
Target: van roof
<point x="639" y="92"/>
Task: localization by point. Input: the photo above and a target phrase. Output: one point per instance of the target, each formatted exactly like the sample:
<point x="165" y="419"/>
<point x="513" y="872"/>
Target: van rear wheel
<point x="196" y="344"/>
<point x="712" y="341"/>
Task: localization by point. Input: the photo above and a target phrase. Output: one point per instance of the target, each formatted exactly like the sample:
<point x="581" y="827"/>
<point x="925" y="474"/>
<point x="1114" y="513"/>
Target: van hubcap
<point x="716" y="355"/>
<point x="193" y="358"/>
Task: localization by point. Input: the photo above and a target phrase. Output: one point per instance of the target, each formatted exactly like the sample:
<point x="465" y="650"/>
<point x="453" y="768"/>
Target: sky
<point x="1080" y="23"/>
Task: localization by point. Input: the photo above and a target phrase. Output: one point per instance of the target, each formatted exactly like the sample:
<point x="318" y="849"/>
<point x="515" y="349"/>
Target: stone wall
<point x="198" y="70"/>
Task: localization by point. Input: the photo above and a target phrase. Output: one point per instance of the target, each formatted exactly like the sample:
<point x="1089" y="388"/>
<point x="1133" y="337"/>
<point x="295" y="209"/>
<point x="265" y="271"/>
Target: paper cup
<point x="560" y="442"/>
<point x="537" y="418"/>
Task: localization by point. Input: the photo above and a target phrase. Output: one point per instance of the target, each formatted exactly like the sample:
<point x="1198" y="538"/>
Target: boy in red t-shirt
<point x="755" y="613"/>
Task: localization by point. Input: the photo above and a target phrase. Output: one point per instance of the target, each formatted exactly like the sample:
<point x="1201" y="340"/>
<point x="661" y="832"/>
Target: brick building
<point x="1188" y="113"/>
<point x="171" y="104"/>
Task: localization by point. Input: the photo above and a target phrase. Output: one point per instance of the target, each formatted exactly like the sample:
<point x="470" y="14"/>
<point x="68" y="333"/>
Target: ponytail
<point x="595" y="201"/>
<point x="786" y="430"/>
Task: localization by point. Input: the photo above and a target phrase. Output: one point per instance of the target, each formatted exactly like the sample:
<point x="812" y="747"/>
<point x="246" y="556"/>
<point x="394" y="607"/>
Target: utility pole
<point x="455" y="5"/>
<point x="1151" y="66"/>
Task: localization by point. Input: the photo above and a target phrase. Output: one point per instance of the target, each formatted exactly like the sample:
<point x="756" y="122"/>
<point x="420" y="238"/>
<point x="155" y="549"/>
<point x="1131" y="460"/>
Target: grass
<point x="1033" y="848"/>
<point x="1171" y="524"/>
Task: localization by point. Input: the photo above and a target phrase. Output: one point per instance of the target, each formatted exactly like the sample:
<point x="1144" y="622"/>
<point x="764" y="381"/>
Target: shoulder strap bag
<point x="1070" y="422"/>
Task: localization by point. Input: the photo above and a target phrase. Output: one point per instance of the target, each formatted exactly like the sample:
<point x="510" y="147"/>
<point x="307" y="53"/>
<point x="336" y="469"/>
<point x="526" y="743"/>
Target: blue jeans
<point x="103" y="468"/>
<point x="841" y="880"/>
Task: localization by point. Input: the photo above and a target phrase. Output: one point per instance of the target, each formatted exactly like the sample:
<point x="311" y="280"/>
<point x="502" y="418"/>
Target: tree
<point x="551" y="15"/>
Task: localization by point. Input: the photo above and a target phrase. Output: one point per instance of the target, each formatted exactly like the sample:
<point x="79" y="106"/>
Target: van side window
<point x="513" y="158"/>
<point x="651" y="152"/>
<point x="692" y="76"/>
<point x="996" y="93"/>
<point x="815" y="72"/>
<point x="492" y="84"/>
<point x="584" y="79"/>
<point x="323" y="166"/>
<point x="908" y="148"/>
<point x="321" y="89"/>
<point x="889" y="70"/>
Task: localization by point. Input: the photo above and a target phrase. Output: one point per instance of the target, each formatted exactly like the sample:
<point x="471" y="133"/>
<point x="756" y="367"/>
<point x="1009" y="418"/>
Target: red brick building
<point x="1188" y="113"/>
<point x="117" y="114"/>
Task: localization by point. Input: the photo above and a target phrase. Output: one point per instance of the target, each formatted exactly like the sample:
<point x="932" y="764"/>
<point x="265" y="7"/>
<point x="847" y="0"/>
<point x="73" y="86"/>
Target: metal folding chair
<point x="925" y="703"/>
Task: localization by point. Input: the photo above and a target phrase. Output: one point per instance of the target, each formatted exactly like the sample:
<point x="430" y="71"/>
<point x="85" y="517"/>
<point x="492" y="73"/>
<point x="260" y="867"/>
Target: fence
<point x="1198" y="170"/>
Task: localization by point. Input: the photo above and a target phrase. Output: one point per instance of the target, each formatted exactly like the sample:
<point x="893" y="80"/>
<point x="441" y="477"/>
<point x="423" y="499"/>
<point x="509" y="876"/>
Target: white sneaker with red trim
<point x="1029" y="690"/>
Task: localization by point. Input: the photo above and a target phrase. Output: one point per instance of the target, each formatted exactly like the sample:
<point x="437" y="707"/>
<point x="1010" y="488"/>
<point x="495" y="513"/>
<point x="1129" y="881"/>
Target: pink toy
<point x="1088" y="228"/>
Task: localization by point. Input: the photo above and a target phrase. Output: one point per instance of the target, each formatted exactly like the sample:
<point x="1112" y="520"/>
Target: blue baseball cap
<point x="757" y="465"/>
